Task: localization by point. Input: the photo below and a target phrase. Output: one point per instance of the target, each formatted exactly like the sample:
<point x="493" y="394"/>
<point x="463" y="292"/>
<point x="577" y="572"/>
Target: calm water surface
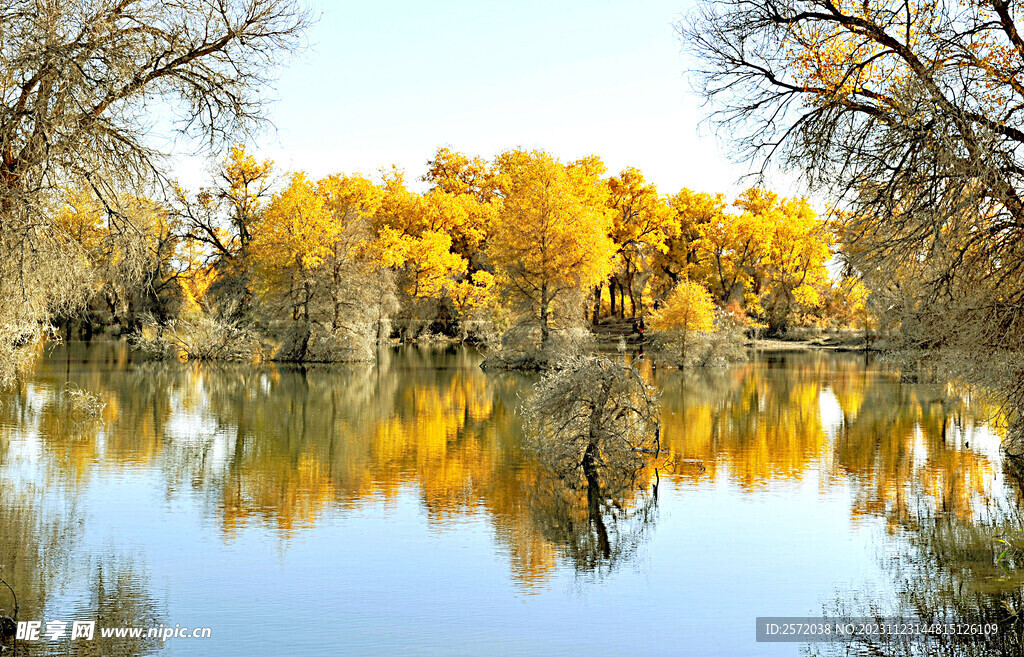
<point x="394" y="511"/>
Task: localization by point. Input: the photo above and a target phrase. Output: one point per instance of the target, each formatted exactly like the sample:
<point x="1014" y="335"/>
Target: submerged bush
<point x="591" y="413"/>
<point x="520" y="348"/>
<point x="200" y="338"/>
<point x="81" y="404"/>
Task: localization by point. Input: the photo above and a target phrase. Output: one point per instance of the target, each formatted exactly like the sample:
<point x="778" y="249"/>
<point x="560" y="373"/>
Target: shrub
<point x="200" y="337"/>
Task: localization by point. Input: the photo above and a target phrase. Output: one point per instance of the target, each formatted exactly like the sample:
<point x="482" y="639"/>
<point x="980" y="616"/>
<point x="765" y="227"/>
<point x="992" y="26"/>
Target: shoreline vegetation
<point x="533" y="257"/>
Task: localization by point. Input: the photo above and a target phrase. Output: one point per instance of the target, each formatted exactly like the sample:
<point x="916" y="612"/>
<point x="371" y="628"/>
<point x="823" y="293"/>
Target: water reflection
<point x="283" y="449"/>
<point x="839" y="421"/>
<point x="595" y="526"/>
<point x="956" y="571"/>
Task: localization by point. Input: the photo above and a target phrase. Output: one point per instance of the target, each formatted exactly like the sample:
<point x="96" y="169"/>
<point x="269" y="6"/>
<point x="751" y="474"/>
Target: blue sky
<point x="390" y="81"/>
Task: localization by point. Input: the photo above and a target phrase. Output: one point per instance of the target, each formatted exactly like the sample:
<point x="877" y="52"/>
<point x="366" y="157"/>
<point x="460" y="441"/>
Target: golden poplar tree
<point x="296" y="236"/>
<point x="641" y="223"/>
<point x="551" y="239"/>
<point x="688" y="308"/>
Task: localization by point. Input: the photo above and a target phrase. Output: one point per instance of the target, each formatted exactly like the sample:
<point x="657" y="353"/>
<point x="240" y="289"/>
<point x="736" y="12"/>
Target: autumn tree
<point x="641" y="224"/>
<point x="296" y="237"/>
<point x="789" y="277"/>
<point x="455" y="173"/>
<point x="468" y="186"/>
<point x="224" y="216"/>
<point x="730" y="249"/>
<point x="688" y="309"/>
<point x="848" y="303"/>
<point x="550" y="242"/>
<point x="79" y="78"/>
<point x="795" y="274"/>
<point x="355" y="284"/>
<point x="309" y="256"/>
<point x="220" y="221"/>
<point x="433" y="242"/>
<point x="681" y="257"/>
<point x="907" y="113"/>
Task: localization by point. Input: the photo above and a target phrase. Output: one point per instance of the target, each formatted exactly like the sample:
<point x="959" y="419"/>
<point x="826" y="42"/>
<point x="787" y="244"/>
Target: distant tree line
<point x="522" y="237"/>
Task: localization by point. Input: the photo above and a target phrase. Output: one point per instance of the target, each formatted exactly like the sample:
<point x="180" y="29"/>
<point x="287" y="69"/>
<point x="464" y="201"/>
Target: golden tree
<point x="433" y="242"/>
<point x="730" y="250"/>
<point x="310" y="252"/>
<point x="135" y="263"/>
<point x="681" y="258"/>
<point x="296" y="236"/>
<point x="792" y="275"/>
<point x="551" y="238"/>
<point x="689" y="308"/>
<point x="224" y="217"/>
<point x="642" y="222"/>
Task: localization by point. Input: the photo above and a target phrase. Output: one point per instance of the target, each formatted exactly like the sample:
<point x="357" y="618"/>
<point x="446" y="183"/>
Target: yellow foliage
<point x="688" y="308"/>
<point x="298" y="230"/>
<point x="247" y="179"/>
<point x="552" y="233"/>
<point x="461" y="215"/>
<point x="730" y="248"/>
<point x="681" y="258"/>
<point x="454" y="173"/>
<point x="194" y="286"/>
<point x="427" y="260"/>
<point x="476" y="292"/>
<point x="795" y="272"/>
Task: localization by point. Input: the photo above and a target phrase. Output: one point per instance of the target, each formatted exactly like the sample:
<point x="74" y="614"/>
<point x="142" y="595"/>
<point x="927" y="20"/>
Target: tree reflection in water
<point x="118" y="596"/>
<point x="40" y="554"/>
<point x="597" y="527"/>
<point x="950" y="572"/>
<point x="897" y="445"/>
<point x="283" y="447"/>
<point x="39" y="557"/>
<point x="594" y="425"/>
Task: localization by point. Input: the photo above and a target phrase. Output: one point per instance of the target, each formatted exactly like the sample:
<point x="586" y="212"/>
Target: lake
<point x="395" y="510"/>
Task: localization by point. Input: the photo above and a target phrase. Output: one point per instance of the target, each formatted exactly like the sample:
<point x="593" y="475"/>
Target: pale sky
<point x="388" y="82"/>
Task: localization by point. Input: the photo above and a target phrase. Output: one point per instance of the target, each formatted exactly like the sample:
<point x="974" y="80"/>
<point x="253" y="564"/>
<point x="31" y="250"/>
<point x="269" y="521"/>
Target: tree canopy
<point x="79" y="80"/>
<point x="907" y="113"/>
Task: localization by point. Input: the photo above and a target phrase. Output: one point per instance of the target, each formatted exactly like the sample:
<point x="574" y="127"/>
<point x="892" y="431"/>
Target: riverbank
<point x="827" y="344"/>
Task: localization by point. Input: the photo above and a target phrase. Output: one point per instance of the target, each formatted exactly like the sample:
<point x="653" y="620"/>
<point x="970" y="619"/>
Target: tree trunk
<point x="544" y="303"/>
<point x="597" y="304"/>
<point x="611" y="293"/>
<point x="590" y="471"/>
<point x="305" y="301"/>
<point x="630" y="284"/>
<point x="594" y="500"/>
<point x="304" y="349"/>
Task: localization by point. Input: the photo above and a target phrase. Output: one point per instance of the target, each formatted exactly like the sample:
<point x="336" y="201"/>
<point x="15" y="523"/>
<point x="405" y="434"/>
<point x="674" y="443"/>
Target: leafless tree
<point x="595" y="426"/>
<point x="85" y="85"/>
<point x="908" y="115"/>
<point x="590" y="413"/>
